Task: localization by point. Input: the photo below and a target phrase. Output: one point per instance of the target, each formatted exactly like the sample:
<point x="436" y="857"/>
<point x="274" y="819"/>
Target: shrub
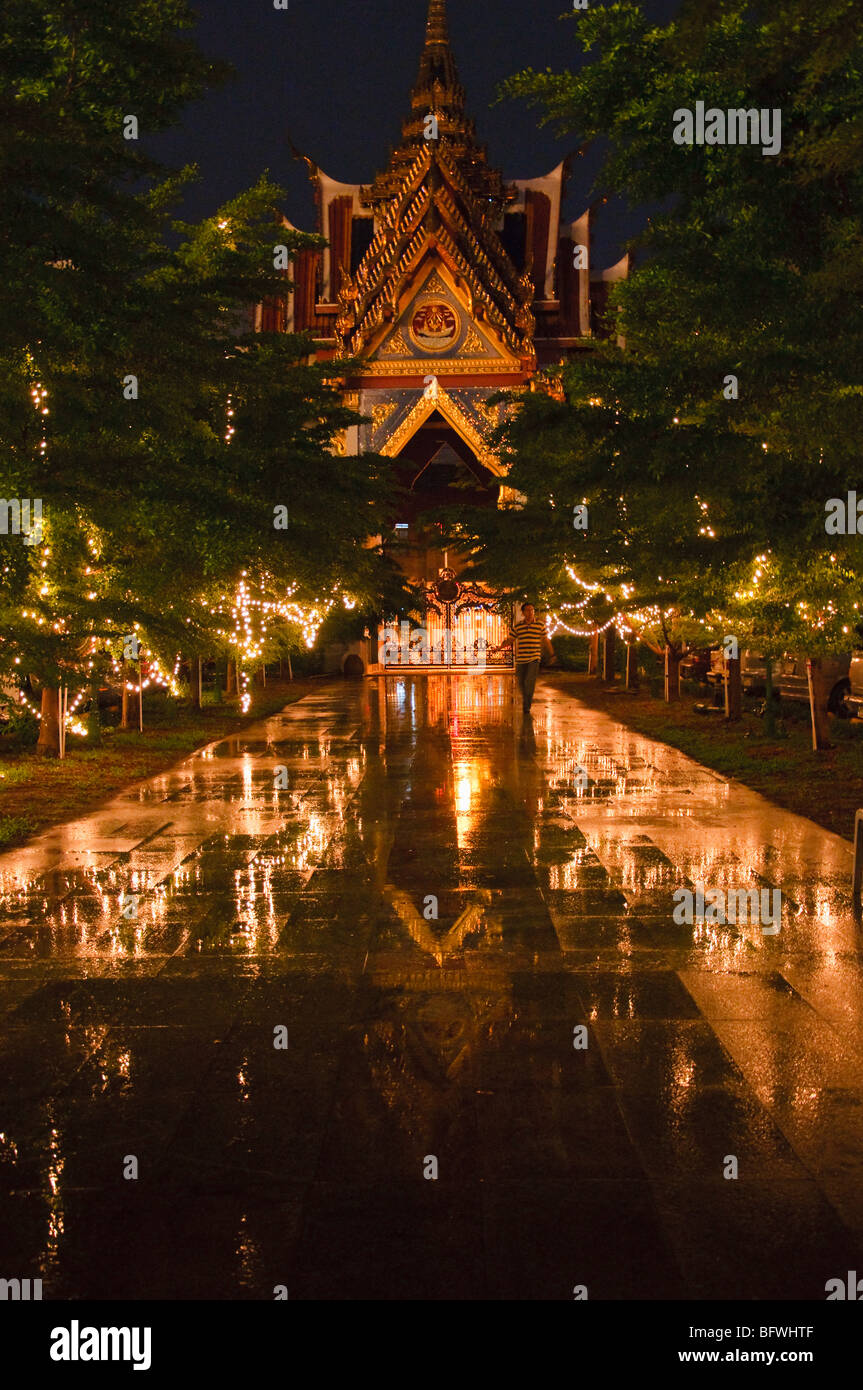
<point x="19" y="727"/>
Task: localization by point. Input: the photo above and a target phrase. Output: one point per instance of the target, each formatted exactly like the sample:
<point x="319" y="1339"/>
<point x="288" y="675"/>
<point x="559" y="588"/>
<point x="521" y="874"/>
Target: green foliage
<point x="154" y="506"/>
<point x="13" y="829"/>
<point x="751" y="267"/>
<point x="19" y="727"/>
<point x="571" y="653"/>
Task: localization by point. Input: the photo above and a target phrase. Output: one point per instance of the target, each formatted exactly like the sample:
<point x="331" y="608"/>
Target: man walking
<point x="529" y="638"/>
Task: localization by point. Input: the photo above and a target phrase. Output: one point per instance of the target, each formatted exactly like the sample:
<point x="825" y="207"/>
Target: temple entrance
<point x="460" y="630"/>
<point x="461" y="625"/>
<point x="436" y="469"/>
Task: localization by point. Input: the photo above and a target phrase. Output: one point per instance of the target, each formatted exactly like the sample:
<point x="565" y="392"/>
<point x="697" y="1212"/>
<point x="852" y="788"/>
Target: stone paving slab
<point x="503" y="1068"/>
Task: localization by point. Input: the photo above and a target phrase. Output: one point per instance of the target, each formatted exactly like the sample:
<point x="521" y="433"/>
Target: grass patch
<point x="13" y="829"/>
<point x="11" y="776"/>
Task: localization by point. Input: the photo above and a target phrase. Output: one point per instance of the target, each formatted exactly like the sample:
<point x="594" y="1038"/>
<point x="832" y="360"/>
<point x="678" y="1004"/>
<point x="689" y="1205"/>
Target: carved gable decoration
<point x="436" y="333"/>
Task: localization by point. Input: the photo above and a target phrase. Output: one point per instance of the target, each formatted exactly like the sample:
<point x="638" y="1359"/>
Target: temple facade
<point x="449" y="286"/>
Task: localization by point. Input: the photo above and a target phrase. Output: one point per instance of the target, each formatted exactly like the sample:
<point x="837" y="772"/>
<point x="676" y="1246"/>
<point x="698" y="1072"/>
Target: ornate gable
<point x="435" y="330"/>
<point x="397" y="415"/>
<point x="436" y="208"/>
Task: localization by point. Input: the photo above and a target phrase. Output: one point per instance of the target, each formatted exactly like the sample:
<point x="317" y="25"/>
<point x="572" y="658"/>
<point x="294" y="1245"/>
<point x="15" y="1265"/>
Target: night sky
<point x="335" y="76"/>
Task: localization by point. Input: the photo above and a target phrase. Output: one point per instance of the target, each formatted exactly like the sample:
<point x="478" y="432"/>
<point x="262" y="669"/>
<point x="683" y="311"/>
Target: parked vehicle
<point x="790" y="679"/>
<point x="696" y="664"/>
<point x="854" y="698"/>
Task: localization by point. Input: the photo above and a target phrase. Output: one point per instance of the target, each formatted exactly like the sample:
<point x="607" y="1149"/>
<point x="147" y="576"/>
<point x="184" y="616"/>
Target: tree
<point x="732" y="414"/>
<point x="159" y="435"/>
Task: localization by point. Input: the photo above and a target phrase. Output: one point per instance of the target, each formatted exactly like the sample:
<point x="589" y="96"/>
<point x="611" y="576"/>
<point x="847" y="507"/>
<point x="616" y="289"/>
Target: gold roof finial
<point x="436" y="25"/>
<point x="437" y="64"/>
<point x="439" y="185"/>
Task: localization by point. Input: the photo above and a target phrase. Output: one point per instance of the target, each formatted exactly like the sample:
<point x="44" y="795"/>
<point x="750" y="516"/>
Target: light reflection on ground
<point x="433" y="902"/>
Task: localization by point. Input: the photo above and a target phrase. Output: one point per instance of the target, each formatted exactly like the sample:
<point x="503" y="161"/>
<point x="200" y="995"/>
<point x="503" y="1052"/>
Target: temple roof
<point x="437" y="91"/>
<point x="437" y="195"/>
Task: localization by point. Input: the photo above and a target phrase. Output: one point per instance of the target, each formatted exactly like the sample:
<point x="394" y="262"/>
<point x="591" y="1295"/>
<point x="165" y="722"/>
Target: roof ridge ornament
<point x="437" y="29"/>
<point x="437" y="78"/>
<point x="438" y="196"/>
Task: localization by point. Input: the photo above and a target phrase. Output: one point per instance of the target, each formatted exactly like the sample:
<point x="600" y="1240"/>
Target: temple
<point x="449" y="286"/>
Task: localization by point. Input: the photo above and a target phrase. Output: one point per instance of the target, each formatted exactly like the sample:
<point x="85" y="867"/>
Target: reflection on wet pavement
<point x="398" y="923"/>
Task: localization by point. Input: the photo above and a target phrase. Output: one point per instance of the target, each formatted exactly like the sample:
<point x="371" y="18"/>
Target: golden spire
<point x="437" y="196"/>
<point x="437" y="94"/>
<point x="436" y="26"/>
<point x="437" y="72"/>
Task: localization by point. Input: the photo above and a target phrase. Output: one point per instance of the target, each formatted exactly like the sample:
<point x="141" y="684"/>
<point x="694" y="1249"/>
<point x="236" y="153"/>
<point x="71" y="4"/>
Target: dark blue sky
<point x="336" y="75"/>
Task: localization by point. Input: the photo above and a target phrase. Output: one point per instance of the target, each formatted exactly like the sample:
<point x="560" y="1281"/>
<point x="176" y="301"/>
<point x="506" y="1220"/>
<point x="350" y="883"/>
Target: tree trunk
<point x="231" y="684"/>
<point x="672" y="675"/>
<point x="821" y="676"/>
<point x="733" y="689"/>
<point x="195" y="682"/>
<point x="48" y="743"/>
<point x="94" y="718"/>
<point x="124" y="697"/>
<point x="62" y="712"/>
<point x="632" y="665"/>
<point x="593" y="657"/>
<point x="290" y="668"/>
<point x="769" y="706"/>
<point x="609" y="648"/>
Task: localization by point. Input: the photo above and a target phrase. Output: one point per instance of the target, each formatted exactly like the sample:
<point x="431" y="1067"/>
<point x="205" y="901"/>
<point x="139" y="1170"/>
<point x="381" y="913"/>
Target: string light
<point x="556" y="623"/>
<point x="39" y="395"/>
<point x="252" y="615"/>
<point x="248" y="614"/>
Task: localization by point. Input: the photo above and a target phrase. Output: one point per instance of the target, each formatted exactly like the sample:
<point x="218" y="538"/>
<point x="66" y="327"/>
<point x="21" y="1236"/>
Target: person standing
<point x="528" y="636"/>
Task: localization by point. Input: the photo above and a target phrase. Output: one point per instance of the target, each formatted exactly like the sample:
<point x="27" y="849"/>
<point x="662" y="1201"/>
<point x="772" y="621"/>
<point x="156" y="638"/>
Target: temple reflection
<point x="468" y="887"/>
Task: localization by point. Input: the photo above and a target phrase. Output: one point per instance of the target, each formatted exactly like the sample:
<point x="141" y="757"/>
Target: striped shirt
<point x="528" y="639"/>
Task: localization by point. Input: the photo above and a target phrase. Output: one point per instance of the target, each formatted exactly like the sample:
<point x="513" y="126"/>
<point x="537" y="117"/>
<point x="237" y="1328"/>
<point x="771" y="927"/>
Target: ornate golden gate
<point x="462" y="629"/>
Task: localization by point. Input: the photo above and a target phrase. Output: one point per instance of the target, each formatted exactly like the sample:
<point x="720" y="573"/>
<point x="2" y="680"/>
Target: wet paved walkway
<point x="150" y="952"/>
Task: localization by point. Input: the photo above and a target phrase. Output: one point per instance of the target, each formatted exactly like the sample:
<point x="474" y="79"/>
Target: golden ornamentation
<point x="435" y="284"/>
<point x="394" y="346"/>
<point x="381" y="413"/>
<point x="473" y="342"/>
<point x="434" y="327"/>
<point x="447" y="366"/>
<point x="443" y="402"/>
<point x="439" y="200"/>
